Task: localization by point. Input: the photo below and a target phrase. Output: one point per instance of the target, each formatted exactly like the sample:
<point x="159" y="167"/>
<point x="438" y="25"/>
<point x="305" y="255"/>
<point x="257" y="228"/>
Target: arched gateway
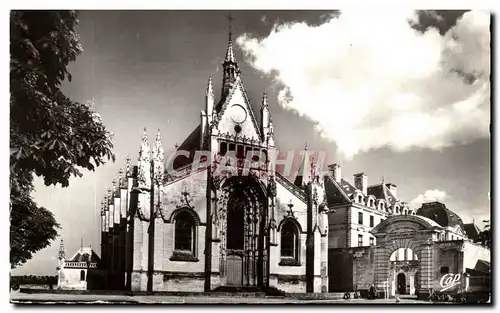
<point x="412" y="233"/>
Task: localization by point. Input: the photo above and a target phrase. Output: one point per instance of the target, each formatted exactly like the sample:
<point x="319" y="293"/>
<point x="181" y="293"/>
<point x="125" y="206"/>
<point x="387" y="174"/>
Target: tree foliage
<point x="16" y="281"/>
<point x="484" y="237"/>
<point x="51" y="136"/>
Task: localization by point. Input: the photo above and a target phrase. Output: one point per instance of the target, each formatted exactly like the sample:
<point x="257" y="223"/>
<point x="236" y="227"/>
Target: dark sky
<point x="150" y="69"/>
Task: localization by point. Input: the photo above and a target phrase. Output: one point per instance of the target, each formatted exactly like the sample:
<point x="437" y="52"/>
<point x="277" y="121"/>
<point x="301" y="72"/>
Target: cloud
<point x="369" y="80"/>
<point x="429" y="196"/>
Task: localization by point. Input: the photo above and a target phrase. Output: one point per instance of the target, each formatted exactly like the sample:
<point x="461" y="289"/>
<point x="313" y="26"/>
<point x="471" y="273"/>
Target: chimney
<point x="393" y="189"/>
<point x="336" y="172"/>
<point x="361" y="182"/>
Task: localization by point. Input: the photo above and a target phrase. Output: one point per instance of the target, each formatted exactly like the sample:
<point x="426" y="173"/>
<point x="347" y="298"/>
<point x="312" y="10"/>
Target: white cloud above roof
<point x="368" y="80"/>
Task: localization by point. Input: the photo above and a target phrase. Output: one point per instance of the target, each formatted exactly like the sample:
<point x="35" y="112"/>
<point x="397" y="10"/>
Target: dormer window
<point x="360" y="199"/>
<point x="381" y="206"/>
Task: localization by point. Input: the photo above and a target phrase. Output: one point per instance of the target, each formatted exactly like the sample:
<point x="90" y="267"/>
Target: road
<point x="25" y="298"/>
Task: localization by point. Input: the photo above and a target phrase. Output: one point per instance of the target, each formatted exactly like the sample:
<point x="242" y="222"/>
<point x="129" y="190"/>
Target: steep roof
<point x="85" y="254"/>
<point x="378" y="191"/>
<point x="335" y="195"/>
<point x="482" y="266"/>
<point x="294" y="189"/>
<point x="347" y="187"/>
<point x="304" y="173"/>
<point x="391" y="198"/>
<point x="438" y="212"/>
<point x="190" y="144"/>
<point x="472" y="231"/>
<point x="381" y="191"/>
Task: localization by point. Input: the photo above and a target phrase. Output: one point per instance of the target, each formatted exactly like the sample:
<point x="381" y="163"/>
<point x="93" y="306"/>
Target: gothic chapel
<point x="200" y="231"/>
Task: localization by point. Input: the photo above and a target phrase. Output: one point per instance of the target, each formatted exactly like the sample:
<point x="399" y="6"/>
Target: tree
<point x="50" y="135"/>
<point x="484" y="237"/>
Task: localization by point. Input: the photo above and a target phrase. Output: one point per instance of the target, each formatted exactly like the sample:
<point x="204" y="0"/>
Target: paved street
<point x="17" y="297"/>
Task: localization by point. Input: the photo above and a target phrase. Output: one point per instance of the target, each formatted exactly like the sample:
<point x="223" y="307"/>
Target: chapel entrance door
<point x="234" y="270"/>
<point x="235" y="242"/>
<point x="243" y="254"/>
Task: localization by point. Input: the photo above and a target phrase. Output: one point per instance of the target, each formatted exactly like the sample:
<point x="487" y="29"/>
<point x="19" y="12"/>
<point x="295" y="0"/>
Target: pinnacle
<point x="230" y="52"/>
<point x="264" y="100"/>
<point x="145" y="137"/>
<point x="210" y="88"/>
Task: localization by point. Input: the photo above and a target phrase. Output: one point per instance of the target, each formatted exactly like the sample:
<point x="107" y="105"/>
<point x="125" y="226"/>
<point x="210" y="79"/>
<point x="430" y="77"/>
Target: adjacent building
<point x="80" y="272"/>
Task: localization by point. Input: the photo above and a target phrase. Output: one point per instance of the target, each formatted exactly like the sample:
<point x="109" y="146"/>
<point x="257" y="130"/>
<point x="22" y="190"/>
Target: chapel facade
<point x="216" y="223"/>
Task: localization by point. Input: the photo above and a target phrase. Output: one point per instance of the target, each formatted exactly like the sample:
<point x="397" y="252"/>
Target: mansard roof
<point x="381" y="191"/>
<point x="341" y="193"/>
<point x="378" y="191"/>
<point x="439" y="213"/>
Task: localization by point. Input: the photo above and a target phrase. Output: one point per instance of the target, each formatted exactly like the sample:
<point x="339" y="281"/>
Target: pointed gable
<point x="236" y="110"/>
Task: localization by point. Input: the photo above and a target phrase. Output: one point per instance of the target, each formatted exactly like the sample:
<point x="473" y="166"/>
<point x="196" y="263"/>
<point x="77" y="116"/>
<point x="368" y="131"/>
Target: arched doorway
<point x="401" y="284"/>
<point x="403" y="267"/>
<point x="242" y="213"/>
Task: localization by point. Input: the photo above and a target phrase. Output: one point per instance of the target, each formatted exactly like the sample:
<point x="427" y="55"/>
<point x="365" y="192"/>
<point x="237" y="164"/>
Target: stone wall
<point x="337" y="228"/>
<point x="289" y="283"/>
<point x="340" y="270"/>
<point x="447" y="257"/>
<point x="350" y="269"/>
<point x="363" y="268"/>
<point x="70" y="279"/>
<point x="182" y="281"/>
<point x="455" y="257"/>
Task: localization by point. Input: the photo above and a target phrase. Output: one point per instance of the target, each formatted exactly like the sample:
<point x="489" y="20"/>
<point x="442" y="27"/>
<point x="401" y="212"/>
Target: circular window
<point x="238" y="114"/>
